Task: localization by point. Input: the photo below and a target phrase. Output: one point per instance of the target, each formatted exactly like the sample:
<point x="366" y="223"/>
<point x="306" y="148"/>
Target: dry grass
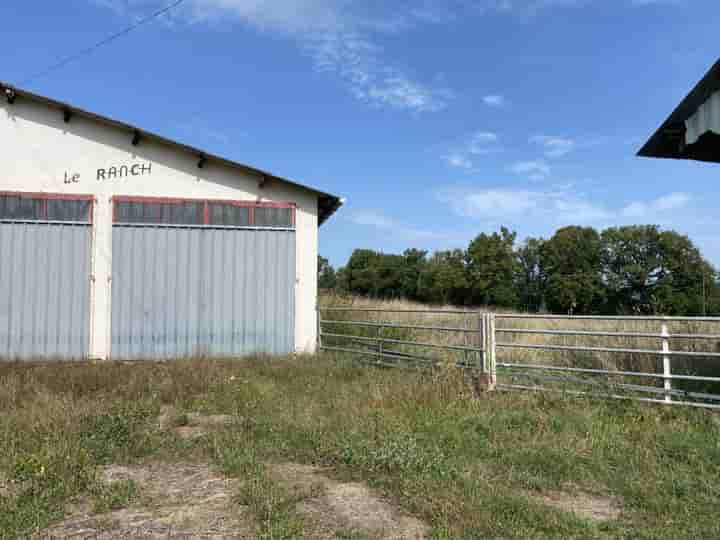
<point x="418" y="449"/>
<point x="469" y="319"/>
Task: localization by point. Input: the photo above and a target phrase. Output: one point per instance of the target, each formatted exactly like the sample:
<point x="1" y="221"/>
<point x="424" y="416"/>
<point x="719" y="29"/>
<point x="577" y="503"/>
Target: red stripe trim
<point x="178" y="200"/>
<point x="46" y="196"/>
<point x="251" y="205"/>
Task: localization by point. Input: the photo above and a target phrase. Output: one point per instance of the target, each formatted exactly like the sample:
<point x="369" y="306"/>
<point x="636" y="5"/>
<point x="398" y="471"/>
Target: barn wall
<point x="42" y="153"/>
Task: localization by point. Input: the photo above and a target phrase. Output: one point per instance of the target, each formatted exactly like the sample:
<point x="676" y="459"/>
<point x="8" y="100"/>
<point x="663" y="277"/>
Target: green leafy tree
<point x="445" y="278"/>
<point x="492" y="268"/>
<point x="388" y="271"/>
<point x="655" y="272"/>
<point x="361" y="272"/>
<point x="687" y="282"/>
<point x="413" y="264"/>
<point x="326" y="274"/>
<point x="571" y="263"/>
<point x="529" y="278"/>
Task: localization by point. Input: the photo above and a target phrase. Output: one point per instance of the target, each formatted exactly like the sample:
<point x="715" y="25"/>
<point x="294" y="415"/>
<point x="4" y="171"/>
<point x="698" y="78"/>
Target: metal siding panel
<point x="44" y="291"/>
<point x="202" y="291"/>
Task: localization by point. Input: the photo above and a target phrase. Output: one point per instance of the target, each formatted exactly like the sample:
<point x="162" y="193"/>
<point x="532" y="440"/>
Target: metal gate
<point x="45" y="243"/>
<point x="185" y="290"/>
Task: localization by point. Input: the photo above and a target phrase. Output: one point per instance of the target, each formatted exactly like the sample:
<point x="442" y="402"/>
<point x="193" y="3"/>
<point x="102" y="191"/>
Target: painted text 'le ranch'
<point x="124" y="171"/>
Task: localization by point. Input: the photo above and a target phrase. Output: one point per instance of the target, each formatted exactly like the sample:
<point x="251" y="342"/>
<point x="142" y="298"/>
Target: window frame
<point x="251" y="205"/>
<point x="44" y="198"/>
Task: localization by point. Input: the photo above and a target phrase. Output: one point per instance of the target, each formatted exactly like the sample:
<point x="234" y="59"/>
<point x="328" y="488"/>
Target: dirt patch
<point x="348" y="507"/>
<point x="582" y="503"/>
<point x="176" y="501"/>
<point x="192" y="425"/>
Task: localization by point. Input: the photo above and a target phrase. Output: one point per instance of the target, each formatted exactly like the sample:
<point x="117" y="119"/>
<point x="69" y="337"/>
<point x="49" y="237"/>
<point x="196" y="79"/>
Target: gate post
<point x="318" y="338"/>
<point x="667" y="370"/>
<point x="493" y="351"/>
<point x="486" y="376"/>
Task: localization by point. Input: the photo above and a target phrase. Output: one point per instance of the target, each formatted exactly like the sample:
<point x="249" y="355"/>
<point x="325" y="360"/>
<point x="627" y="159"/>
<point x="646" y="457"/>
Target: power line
<point x="65" y="61"/>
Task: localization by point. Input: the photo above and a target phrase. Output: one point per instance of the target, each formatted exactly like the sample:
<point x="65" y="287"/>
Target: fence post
<point x="479" y="342"/>
<point x="493" y="350"/>
<point x="318" y="338"/>
<point x="667" y="370"/>
<point x="486" y="376"/>
<point x="380" y="347"/>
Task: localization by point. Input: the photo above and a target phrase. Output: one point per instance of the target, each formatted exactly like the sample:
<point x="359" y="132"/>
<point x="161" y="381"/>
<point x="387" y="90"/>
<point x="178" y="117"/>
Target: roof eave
<point x="667" y="141"/>
<point x="334" y="204"/>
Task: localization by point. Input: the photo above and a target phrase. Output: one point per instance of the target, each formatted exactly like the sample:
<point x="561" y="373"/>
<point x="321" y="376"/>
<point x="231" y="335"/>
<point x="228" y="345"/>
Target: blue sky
<point x="437" y="120"/>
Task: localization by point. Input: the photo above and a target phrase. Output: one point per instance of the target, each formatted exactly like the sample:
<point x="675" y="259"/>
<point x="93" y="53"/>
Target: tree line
<point x="639" y="269"/>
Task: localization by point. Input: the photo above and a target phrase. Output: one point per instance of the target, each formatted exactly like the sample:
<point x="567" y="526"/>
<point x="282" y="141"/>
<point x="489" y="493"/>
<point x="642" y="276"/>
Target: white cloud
<point x="494" y="100"/>
<point x="482" y="142"/>
<point x="651" y="209"/>
<point x="357" y="61"/>
<point x="554" y="147"/>
<point x="535" y="170"/>
<point x="459" y="161"/>
<point x="338" y="36"/>
<point x="390" y="226"/>
<point x="464" y="154"/>
<point x="555" y="207"/>
<point x="341" y="36"/>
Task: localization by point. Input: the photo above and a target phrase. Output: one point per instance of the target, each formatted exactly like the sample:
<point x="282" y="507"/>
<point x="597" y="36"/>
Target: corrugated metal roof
<point x="669" y="140"/>
<point x="327" y="204"/>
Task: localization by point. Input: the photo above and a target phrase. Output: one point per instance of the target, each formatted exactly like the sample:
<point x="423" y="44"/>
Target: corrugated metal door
<point x="44" y="277"/>
<point x="183" y="291"/>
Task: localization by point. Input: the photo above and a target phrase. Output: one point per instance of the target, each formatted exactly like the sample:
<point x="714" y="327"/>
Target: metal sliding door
<point x="45" y="244"/>
<point x="182" y="290"/>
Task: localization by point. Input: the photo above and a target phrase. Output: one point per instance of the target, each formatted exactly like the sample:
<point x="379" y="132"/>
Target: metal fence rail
<point x="581" y="370"/>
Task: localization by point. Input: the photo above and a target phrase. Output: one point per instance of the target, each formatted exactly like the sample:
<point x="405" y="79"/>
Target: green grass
<point x="467" y="466"/>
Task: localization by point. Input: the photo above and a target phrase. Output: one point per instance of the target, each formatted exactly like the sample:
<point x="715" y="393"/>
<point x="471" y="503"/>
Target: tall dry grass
<point x="466" y="318"/>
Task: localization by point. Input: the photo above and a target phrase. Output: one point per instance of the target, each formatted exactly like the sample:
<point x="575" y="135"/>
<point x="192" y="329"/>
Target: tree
<point x="687" y="281"/>
<point x="632" y="268"/>
<point x="445" y="279"/>
<point x="326" y="274"/>
<point x="413" y="264"/>
<point x="571" y="263"/>
<point x="388" y="270"/>
<point x="361" y="272"/>
<point x="529" y="275"/>
<point x="650" y="271"/>
<point x="492" y="269"/>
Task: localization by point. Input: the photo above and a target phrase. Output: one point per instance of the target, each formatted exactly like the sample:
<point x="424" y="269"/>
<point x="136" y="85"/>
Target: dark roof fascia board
<point x="327" y="203"/>
<point x="662" y="146"/>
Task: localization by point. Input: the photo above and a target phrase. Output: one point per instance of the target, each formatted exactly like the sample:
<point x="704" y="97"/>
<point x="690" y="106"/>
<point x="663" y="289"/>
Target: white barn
<point x="120" y="244"/>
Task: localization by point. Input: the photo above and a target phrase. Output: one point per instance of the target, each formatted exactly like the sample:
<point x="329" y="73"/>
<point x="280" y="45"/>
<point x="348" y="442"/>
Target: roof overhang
<point x="327" y="204"/>
<point x="671" y="139"/>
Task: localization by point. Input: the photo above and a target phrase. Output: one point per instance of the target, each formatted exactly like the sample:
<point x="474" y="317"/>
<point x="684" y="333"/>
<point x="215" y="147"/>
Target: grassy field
<point x="595" y="360"/>
<point x="292" y="443"/>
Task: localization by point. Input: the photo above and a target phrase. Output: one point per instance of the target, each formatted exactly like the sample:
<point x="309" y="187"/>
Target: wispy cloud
<point x="651" y="209"/>
<point x="560" y="206"/>
<point x="458" y="161"/>
<point x="358" y="62"/>
<point x="535" y="170"/>
<point x="339" y="37"/>
<point x="494" y="100"/>
<point x="553" y="146"/>
<point x="557" y="207"/>
<point x="343" y="37"/>
<point x="390" y="226"/>
<point x="464" y="154"/>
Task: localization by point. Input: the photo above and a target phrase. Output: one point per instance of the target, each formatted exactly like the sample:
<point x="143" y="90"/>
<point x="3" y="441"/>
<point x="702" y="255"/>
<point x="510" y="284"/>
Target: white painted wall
<point x="38" y="149"/>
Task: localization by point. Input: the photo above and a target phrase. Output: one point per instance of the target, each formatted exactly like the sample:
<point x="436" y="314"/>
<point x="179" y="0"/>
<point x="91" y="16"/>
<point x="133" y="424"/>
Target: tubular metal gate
<point x="662" y="362"/>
